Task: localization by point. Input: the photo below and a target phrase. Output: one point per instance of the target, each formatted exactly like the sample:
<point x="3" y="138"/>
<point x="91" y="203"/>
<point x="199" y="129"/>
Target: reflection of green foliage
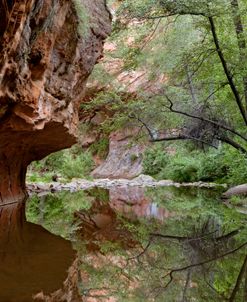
<point x="226" y="275"/>
<point x="195" y="205"/>
<point x="238" y="200"/>
<point x="99" y="194"/>
<point x="32" y="210"/>
<point x="192" y="213"/>
<point x="56" y="211"/>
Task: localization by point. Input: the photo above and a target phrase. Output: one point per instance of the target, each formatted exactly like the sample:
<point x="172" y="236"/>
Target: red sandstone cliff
<point x="44" y="66"/>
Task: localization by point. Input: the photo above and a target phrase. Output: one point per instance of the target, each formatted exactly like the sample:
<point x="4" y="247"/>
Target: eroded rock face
<point x="124" y="159"/>
<point x="44" y="66"/>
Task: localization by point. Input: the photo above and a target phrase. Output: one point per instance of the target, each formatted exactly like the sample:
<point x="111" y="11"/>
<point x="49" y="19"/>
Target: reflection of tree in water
<point x="200" y="255"/>
<point x="202" y="251"/>
<point x="184" y="257"/>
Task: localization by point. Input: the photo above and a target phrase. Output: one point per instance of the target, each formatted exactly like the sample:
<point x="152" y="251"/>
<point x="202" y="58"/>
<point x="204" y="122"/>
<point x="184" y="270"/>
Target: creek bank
<point x="106" y="183"/>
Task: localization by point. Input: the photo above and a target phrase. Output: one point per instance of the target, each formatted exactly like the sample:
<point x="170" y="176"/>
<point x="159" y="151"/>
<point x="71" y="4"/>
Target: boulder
<point x="240" y="190"/>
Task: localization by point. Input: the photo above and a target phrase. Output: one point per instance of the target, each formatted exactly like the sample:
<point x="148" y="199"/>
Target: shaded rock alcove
<point x="44" y="64"/>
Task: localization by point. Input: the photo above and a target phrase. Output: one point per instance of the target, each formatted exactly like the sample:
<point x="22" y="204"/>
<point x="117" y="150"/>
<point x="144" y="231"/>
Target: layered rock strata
<point x="48" y="49"/>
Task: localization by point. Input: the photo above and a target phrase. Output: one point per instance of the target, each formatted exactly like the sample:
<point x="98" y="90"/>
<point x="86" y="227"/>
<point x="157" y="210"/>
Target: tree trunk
<point x="241" y="43"/>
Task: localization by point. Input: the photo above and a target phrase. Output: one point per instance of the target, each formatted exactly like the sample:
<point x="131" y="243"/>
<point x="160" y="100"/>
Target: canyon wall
<point x="48" y="50"/>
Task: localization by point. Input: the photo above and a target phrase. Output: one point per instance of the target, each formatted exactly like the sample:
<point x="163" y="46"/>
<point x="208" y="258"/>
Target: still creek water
<point x="125" y="244"/>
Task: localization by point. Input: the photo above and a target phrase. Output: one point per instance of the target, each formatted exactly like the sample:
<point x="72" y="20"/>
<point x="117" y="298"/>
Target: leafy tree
<point x="200" y="45"/>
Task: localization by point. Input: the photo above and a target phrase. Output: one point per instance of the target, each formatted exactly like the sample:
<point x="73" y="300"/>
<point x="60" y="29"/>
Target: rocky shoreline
<point x="140" y="181"/>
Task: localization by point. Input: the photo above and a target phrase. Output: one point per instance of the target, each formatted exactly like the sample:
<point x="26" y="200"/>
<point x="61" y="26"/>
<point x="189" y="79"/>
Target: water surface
<point x="130" y="244"/>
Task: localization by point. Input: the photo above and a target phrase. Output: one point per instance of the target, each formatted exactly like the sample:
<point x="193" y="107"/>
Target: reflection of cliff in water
<point x="31" y="258"/>
<point x="133" y="202"/>
<point x="102" y="223"/>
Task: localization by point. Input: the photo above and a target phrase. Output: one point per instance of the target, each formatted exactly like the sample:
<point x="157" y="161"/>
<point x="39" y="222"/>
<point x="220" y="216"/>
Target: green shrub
<point x="77" y="166"/>
<point x="237" y="171"/>
<point x="70" y="163"/>
<point x="224" y="165"/>
<point x="181" y="168"/>
<point x="40" y="177"/>
<point x="213" y="166"/>
<point x="100" y="147"/>
<point x="238" y="200"/>
<point x="54" y="161"/>
<point x="56" y="212"/>
<point x="155" y="160"/>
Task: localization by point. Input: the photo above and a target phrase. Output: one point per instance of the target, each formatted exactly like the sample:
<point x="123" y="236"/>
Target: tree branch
<point x="142" y="252"/>
<point x="204" y="119"/>
<point x="239" y="280"/>
<point x="170" y="274"/>
<point x="181" y="238"/>
<point x="232" y="143"/>
<point x="182" y="137"/>
<point x="132" y="116"/>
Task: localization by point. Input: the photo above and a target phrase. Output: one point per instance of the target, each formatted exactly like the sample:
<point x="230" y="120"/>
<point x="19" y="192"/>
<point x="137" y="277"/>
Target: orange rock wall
<point x="44" y="66"/>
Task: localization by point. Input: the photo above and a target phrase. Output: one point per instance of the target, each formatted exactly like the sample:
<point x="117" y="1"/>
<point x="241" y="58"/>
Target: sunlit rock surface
<point x="44" y="66"/>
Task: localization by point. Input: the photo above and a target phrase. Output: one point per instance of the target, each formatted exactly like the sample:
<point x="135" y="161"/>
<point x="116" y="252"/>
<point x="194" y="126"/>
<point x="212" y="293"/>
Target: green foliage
<point x="213" y="166"/>
<point x="238" y="200"/>
<point x="37" y="176"/>
<point x="56" y="211"/>
<point x="100" y="147"/>
<point x="68" y="164"/>
<point x="181" y="168"/>
<point x="83" y="19"/>
<point x="225" y="165"/>
<point x="237" y="173"/>
<point x="77" y="165"/>
<point x="155" y="160"/>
